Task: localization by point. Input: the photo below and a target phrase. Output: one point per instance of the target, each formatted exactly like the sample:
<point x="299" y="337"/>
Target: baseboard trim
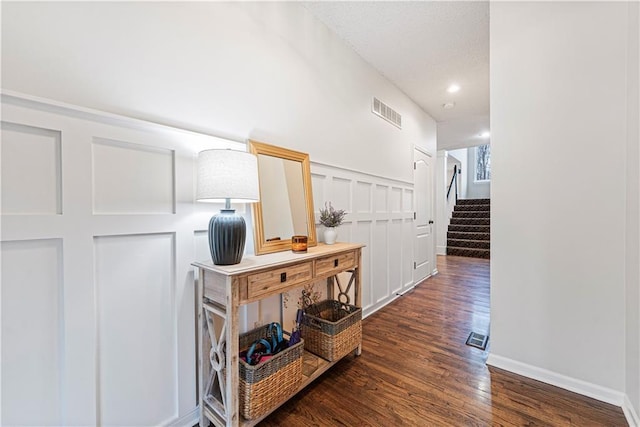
<point x="629" y="413"/>
<point x="372" y="309"/>
<point x="407" y="290"/>
<point x="585" y="388"/>
<point x="187" y="420"/>
<point x="391" y="298"/>
<point x="441" y="250"/>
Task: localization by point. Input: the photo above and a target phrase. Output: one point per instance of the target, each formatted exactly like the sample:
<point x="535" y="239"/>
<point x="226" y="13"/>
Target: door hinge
<point x="414" y="265"/>
<point x="414" y="215"/>
<point x="414" y="165"/>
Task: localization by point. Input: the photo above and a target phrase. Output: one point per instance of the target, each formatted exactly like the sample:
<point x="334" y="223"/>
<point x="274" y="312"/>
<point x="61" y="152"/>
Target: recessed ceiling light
<point x="453" y="88"/>
<point x="448" y="105"/>
<point x="484" y="135"/>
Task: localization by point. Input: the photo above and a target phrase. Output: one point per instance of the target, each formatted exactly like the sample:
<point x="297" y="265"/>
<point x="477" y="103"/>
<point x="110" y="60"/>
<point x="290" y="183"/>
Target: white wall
<point x="442" y="221"/>
<point x="265" y="71"/>
<point x="633" y="216"/>
<point x="269" y="71"/>
<point x="444" y="206"/>
<point x="470" y="188"/>
<point x="459" y="157"/>
<point x="475" y="189"/>
<point x="559" y="94"/>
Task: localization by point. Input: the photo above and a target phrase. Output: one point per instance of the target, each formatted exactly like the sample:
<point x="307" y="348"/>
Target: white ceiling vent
<point x="381" y="109"/>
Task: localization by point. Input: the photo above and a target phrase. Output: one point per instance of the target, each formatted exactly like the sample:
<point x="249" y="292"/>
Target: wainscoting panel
<point x="380" y="267"/>
<point x="363" y="197"/>
<point x="379" y="215"/>
<point x="201" y="245"/>
<point x="395" y="247"/>
<point x="407" y="201"/>
<point x="135" y="286"/>
<point x="32" y="332"/>
<point x="99" y="230"/>
<point x="407" y="248"/>
<point x="396" y="200"/>
<point x="317" y="184"/>
<point x="382" y="204"/>
<point x="132" y="178"/>
<point x="31" y="170"/>
<point x="342" y="196"/>
<point x="362" y="234"/>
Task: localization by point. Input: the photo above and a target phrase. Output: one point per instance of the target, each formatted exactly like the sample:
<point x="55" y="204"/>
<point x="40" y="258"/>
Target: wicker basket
<point x="332" y="329"/>
<point x="265" y="385"/>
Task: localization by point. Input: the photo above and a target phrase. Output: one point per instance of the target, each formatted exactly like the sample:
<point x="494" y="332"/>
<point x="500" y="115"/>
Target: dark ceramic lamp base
<point x="227" y="235"/>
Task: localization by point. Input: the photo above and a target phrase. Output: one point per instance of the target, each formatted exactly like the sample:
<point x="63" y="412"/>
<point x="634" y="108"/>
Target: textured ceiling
<point x="423" y="47"/>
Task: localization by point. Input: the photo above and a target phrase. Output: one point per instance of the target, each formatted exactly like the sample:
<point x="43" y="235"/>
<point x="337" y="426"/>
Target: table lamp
<point x="229" y="176"/>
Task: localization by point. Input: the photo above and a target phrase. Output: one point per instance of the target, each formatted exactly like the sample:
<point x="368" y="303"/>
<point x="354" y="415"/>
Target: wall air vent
<point x="381" y="109"/>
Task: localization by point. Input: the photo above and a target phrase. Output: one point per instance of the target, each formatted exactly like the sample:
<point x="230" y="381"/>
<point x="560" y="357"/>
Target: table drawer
<point x="335" y="263"/>
<point x="278" y="279"/>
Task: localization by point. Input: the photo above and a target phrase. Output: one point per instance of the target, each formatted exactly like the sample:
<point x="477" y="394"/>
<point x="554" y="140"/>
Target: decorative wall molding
<point x="372" y="176"/>
<point x="380" y="215"/>
<point x="18" y="99"/>
<point x="136" y="328"/>
<point x="31" y="148"/>
<point x="33" y="322"/>
<point x="120" y="262"/>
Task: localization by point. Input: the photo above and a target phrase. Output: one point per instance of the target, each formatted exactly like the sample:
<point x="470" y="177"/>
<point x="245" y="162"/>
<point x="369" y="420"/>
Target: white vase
<point x="330" y="234"/>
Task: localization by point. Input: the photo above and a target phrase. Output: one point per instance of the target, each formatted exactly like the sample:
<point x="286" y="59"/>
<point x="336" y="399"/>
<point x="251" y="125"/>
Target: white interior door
<point x="423" y="190"/>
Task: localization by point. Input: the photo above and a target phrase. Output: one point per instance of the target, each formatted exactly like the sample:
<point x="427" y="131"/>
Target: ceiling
<point x="423" y="48"/>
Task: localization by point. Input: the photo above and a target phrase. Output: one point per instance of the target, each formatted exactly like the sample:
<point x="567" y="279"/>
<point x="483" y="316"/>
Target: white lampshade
<point x="227" y="174"/>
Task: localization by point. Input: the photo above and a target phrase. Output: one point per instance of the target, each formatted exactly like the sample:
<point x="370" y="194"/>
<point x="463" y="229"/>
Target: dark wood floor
<point x="416" y="370"/>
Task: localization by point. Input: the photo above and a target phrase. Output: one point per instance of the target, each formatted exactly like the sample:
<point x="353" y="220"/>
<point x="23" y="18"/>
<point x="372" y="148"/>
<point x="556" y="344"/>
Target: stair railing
<point x="454" y="180"/>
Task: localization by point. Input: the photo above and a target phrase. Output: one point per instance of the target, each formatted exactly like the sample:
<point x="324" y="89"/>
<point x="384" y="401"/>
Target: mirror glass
<point x="286" y="203"/>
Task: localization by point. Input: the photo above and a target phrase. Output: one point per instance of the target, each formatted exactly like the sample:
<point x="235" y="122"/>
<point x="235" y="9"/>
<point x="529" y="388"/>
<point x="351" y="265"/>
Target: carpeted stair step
<point x="468" y="236"/>
<point x="470" y="214"/>
<point x="468" y="252"/>
<point x="469" y="232"/>
<point x="470" y="221"/>
<point x="475" y="244"/>
<point x="466" y="208"/>
<point x="473" y="202"/>
<point x="469" y="228"/>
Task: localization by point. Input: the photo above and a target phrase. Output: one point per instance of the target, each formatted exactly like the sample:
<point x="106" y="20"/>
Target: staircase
<point x="468" y="233"/>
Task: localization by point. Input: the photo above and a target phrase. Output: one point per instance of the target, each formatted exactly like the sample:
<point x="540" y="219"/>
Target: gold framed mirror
<point x="285" y="208"/>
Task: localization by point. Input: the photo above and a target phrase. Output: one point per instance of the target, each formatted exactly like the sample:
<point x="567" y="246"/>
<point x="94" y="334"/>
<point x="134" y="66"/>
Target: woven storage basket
<point x="266" y="384"/>
<point x="332" y="329"/>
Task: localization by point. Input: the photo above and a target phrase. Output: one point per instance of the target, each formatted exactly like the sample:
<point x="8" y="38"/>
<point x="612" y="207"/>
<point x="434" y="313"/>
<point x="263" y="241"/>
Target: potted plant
<point x="331" y="218"/>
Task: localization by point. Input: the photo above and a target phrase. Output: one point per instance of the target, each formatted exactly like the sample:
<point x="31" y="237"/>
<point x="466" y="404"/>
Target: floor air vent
<point x="381" y="109"/>
<point x="477" y="340"/>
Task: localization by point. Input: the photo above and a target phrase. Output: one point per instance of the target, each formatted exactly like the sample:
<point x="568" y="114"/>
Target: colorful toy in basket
<point x="261" y="350"/>
<point x="265" y="382"/>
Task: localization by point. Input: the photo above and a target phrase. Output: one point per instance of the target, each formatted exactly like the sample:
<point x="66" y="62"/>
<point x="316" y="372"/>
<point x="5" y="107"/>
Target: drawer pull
<point x="283" y="277"/>
<point x="335" y="262"/>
